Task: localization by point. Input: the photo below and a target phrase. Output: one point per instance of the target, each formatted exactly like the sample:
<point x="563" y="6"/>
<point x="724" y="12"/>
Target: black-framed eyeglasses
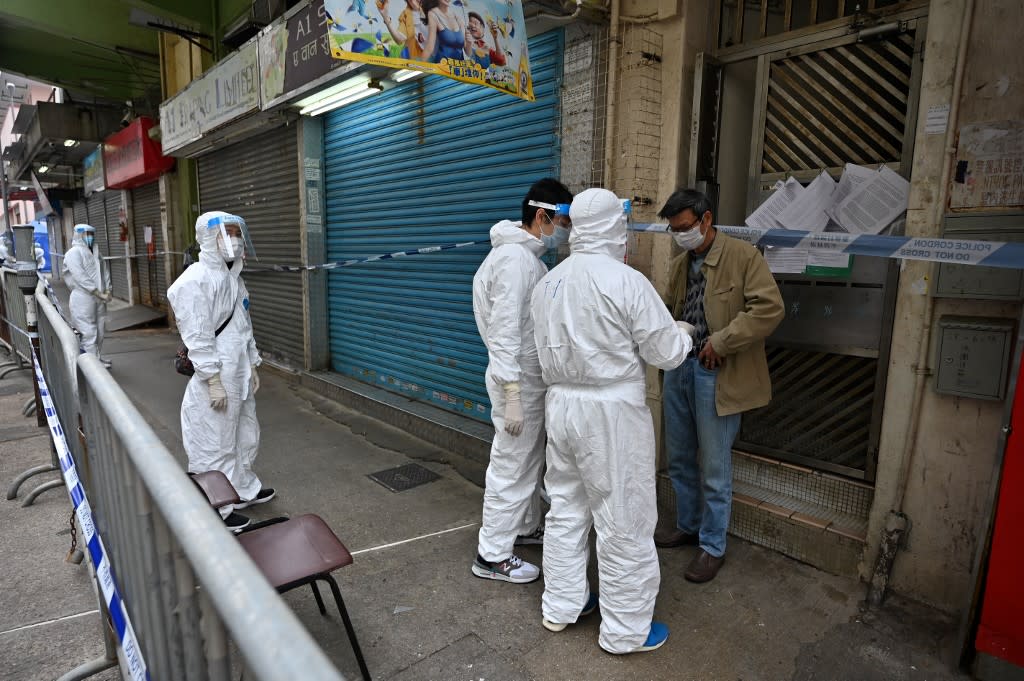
<point x="686" y="228"/>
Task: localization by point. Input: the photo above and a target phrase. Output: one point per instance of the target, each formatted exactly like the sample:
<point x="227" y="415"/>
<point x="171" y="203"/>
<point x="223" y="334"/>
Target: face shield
<point x="234" y="236"/>
<point x="558" y="218"/>
<point x="87" y="233"/>
<point x="632" y="238"/>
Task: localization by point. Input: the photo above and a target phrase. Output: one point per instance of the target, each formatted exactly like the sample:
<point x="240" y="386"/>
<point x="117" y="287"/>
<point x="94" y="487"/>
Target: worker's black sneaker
<point x="264" y="495"/>
<point x="535" y="538"/>
<point x="513" y="569"/>
<point x="237" y="522"/>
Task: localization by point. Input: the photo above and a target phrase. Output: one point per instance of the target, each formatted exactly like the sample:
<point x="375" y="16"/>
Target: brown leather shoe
<point x="703" y="567"/>
<point x="671" y="538"/>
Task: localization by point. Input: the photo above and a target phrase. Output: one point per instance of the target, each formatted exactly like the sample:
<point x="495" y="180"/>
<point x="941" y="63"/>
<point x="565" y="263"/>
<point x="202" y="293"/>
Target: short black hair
<point x="682" y="199"/>
<point x="548" y="190"/>
<point x="474" y="15"/>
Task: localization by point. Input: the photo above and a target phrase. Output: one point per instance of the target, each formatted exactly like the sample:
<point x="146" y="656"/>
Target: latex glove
<point x="95" y="293"/>
<point x="218" y="396"/>
<point x="686" y="328"/>
<point x="255" y="384"/>
<point x="107" y="296"/>
<point x="513" y="410"/>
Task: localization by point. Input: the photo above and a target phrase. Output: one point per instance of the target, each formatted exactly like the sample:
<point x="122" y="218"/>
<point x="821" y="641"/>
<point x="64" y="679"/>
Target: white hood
<point x="508" y="232"/>
<point x="598" y="224"/>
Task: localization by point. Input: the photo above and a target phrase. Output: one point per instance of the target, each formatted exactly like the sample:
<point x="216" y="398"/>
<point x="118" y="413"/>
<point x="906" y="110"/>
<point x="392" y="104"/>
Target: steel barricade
<point x="15" y="321"/>
<point x="189" y="588"/>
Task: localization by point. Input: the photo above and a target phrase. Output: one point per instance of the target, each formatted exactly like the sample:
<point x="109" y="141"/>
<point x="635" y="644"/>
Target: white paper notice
<point x="937" y="120"/>
<point x="147" y="234"/>
<point x="786" y="260"/>
<point x="808" y="210"/>
<point x="766" y="215"/>
<point x="853" y="177"/>
<point x="828" y="259"/>
<point x="875" y="204"/>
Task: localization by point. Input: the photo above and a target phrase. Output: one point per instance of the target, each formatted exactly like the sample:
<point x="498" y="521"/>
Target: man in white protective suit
<point x="218" y="412"/>
<point x="501" y="305"/>
<point x="597" y="321"/>
<point x="89" y="282"/>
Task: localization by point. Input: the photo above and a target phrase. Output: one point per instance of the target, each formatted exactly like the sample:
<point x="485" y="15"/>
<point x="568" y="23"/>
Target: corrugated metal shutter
<point x="146" y="213"/>
<point x="430" y="162"/>
<point x="80" y="213"/>
<point x="119" y="266"/>
<point x="258" y="179"/>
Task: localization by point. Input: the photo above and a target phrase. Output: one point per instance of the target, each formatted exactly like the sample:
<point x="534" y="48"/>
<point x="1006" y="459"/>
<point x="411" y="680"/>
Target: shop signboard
<point x="227" y="91"/>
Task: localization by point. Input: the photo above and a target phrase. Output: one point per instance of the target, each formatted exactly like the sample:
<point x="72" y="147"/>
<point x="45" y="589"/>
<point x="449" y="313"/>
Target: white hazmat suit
<point x="596" y="321"/>
<point x="501" y="305"/>
<point x="89" y="281"/>
<point x="203" y="297"/>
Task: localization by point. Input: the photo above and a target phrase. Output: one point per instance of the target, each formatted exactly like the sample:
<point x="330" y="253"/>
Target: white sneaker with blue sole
<point x="590" y="607"/>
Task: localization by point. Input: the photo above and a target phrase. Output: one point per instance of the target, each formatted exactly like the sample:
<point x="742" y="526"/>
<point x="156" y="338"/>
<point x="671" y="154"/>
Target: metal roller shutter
<point x="430" y="162"/>
<point x="146" y="213"/>
<point x="80" y="213"/>
<point x="258" y="179"/>
<point x="119" y="266"/>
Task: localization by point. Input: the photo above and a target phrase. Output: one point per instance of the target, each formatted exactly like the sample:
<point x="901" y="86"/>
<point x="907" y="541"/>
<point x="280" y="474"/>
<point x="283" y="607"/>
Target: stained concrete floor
<point x="418" y="611"/>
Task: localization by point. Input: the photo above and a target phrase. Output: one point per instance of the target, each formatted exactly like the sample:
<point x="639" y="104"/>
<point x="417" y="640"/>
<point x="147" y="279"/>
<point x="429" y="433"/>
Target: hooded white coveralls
<point x="597" y="321"/>
<point x="501" y="305"/>
<point x="202" y="298"/>
<point x="83" y="272"/>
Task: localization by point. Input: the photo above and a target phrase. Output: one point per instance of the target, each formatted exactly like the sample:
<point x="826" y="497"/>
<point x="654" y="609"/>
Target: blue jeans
<point x="699" y="444"/>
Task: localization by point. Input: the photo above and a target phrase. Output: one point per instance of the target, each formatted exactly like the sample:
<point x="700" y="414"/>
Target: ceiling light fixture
<point x="70" y="142"/>
<point x="342" y="97"/>
<point x="406" y="74"/>
<point x="44" y="169"/>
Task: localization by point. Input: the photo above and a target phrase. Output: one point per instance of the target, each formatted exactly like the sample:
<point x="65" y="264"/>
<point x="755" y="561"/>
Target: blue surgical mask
<point x="88" y="240"/>
<point x="559" y="236"/>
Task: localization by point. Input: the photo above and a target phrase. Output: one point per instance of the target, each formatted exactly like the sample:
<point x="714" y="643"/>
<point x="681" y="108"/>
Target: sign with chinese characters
<point x="476" y="41"/>
<point x="131" y="158"/>
<point x="989" y="170"/>
<point x="295" y="52"/>
<point x="225" y="92"/>
<point x="93" y="172"/>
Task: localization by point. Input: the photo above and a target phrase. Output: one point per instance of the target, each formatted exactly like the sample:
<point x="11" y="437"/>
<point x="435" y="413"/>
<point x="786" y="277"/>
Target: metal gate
<point x="430" y="162"/>
<point x="818" y="107"/>
<point x="118" y="265"/>
<point x="146" y="214"/>
<point x="258" y="179"/>
<point x="98" y="219"/>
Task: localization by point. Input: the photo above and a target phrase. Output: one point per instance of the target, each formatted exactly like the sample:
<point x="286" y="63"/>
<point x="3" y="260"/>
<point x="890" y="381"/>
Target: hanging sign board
<point x="228" y="90"/>
<point x="476" y="41"/>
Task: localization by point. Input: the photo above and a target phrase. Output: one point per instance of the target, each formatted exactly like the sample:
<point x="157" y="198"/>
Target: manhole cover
<point x="404" y="477"/>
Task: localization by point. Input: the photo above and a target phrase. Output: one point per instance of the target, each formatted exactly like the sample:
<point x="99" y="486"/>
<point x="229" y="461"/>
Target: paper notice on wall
<point x="854" y="176"/>
<point x="872" y="206"/>
<point x="147" y="233"/>
<point x="766" y="215"/>
<point x="786" y="260"/>
<point x="807" y="211"/>
<point x="828" y="259"/>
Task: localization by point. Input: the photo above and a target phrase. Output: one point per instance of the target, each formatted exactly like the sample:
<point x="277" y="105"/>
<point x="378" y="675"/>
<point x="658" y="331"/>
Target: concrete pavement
<point x="418" y="611"/>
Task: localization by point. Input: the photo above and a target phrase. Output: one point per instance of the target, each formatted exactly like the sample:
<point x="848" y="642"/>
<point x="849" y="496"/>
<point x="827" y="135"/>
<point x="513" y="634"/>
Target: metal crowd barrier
<point x="198" y="606"/>
<point x="14" y="322"/>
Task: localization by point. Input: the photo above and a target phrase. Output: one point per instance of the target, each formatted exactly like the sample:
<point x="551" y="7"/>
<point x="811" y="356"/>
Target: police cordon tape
<point x="83" y="512"/>
<point x="1007" y="255"/>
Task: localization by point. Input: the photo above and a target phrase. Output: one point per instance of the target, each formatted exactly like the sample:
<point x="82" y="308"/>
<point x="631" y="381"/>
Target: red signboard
<point x="131" y="158"/>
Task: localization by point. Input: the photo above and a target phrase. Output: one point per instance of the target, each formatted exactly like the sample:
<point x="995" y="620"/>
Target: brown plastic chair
<point x="290" y="552"/>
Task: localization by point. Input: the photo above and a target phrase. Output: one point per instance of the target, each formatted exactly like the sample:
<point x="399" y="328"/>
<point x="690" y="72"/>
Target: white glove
<point x="255" y="385"/>
<point x="686" y="328"/>
<point x="218" y="396"/>
<point x="107" y="297"/>
<point x="95" y="293"/>
<point x="513" y="410"/>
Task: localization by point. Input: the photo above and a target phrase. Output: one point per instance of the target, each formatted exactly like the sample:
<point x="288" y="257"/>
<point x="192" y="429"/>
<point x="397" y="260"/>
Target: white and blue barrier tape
<point x="1008" y="255"/>
<point x="83" y="512"/>
<point x="1002" y="254"/>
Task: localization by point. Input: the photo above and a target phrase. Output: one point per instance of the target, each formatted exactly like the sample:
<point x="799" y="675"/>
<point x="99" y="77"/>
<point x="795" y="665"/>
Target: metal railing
<point x="188" y="587"/>
<point x="15" y="319"/>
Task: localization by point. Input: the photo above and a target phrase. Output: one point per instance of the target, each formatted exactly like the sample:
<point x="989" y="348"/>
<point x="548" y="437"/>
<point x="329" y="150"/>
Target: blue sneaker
<point x="655" y="639"/>
<point x="589" y="607"/>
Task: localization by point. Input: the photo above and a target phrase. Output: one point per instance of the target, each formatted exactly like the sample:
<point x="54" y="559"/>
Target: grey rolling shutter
<point x="146" y="213"/>
<point x="118" y="266"/>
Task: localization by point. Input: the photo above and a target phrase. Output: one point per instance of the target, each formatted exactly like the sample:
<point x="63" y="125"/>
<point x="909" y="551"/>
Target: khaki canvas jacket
<point x="742" y="306"/>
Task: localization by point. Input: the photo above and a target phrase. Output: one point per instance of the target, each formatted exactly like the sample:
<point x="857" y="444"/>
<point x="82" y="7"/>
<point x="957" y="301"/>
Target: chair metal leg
<point x="316" y="595"/>
<point x="348" y="626"/>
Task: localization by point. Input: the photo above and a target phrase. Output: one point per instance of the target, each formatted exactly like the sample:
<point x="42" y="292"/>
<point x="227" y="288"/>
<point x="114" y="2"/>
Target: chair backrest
<point x="218" y="489"/>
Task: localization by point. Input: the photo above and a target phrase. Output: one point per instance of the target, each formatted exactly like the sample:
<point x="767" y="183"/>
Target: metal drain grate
<point x="404" y="477"/>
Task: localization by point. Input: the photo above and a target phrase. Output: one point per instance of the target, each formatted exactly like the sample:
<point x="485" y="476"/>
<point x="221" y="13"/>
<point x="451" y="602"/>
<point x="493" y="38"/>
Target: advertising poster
<point x="476" y="41"/>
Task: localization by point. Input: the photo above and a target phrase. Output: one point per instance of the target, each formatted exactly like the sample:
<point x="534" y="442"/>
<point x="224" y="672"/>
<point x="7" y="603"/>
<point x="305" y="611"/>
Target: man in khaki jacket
<point x="723" y="287"/>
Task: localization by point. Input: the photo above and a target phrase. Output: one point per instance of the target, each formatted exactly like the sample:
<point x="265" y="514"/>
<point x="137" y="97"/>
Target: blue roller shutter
<point x="429" y="162"/>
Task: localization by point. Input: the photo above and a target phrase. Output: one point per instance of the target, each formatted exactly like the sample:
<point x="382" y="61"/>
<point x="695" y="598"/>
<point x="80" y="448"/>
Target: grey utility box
<point x="973" y="356"/>
<point x="975" y="281"/>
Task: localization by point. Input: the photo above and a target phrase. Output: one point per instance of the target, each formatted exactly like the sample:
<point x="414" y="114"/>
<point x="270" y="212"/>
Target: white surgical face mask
<point x="232" y="250"/>
<point x="690" y="239"/>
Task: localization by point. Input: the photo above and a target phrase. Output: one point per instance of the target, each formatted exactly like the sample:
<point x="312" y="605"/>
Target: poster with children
<point x="475" y="41"/>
